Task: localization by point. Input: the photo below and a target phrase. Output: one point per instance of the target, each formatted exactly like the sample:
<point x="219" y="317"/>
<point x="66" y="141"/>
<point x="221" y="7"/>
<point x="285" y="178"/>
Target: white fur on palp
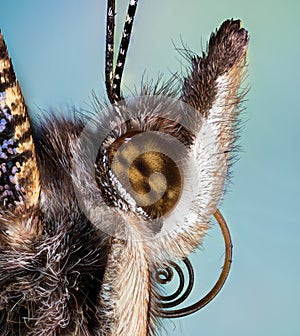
<point x="211" y="154"/>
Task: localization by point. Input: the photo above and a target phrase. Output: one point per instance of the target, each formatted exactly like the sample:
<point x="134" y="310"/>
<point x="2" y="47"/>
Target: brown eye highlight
<point x="146" y="171"/>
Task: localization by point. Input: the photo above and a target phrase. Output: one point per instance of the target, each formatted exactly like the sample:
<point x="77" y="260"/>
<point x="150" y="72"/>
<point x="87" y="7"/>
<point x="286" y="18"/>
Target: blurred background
<point x="57" y="49"/>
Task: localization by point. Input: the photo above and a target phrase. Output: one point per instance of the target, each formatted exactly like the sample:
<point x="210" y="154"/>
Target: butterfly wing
<point x="19" y="175"/>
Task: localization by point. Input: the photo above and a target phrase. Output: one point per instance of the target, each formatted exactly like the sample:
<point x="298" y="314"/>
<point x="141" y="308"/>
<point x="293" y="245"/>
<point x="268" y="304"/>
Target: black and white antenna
<point x="113" y="76"/>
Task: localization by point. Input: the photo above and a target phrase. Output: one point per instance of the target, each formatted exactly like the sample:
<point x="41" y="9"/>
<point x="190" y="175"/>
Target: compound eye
<point x="149" y="169"/>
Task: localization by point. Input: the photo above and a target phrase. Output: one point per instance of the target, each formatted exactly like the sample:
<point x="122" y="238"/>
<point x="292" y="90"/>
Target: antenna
<point x="113" y="78"/>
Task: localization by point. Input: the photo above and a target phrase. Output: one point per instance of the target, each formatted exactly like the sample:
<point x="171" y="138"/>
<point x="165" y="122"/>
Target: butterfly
<point x="93" y="207"/>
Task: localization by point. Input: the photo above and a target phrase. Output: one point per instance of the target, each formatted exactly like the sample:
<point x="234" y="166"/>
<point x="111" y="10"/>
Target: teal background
<point x="57" y="48"/>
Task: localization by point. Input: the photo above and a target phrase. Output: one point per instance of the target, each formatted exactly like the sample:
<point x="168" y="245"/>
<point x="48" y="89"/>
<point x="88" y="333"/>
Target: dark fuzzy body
<point x="53" y="281"/>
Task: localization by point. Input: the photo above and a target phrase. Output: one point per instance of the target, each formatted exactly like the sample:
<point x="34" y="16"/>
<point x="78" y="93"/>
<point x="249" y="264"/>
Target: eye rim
<point x="137" y="125"/>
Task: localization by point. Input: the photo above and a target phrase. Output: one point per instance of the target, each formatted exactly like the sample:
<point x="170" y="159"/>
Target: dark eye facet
<point x="146" y="171"/>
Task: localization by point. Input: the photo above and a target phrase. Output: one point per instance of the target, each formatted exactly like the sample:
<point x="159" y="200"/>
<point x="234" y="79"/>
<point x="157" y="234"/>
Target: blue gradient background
<point x="57" y="48"/>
